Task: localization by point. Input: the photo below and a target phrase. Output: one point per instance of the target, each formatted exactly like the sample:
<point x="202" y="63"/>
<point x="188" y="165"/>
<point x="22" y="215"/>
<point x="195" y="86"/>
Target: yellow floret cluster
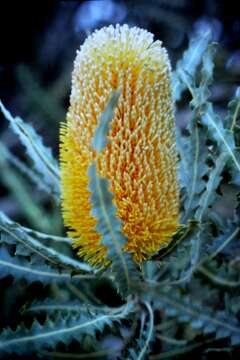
<point x="140" y="160"/>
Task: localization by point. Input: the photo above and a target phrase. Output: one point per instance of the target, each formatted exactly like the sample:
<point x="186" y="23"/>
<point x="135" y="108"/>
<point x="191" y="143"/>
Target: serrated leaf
<point x="36" y="248"/>
<point x="64" y="329"/>
<point x="51" y="306"/>
<point x="109" y="226"/>
<point x="199" y="316"/>
<point x="193" y="148"/>
<point x="202" y="92"/>
<point x="213" y="182"/>
<point x="223" y="137"/>
<point x="20" y="268"/>
<point x="44" y="163"/>
<point x="190" y="61"/>
<point x="34" y="177"/>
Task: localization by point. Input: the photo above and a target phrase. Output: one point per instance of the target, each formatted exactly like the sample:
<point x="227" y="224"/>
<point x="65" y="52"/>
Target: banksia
<point x="140" y="159"/>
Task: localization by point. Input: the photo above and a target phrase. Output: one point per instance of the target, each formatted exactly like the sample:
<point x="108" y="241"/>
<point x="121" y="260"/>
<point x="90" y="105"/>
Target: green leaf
<point x="233" y="111"/>
<point x="35" y="248"/>
<point x="180" y="350"/>
<point x="47" y="237"/>
<point x="231" y="123"/>
<point x="190" y="251"/>
<point x="223" y="137"/>
<point x="187" y="310"/>
<point x="64" y="329"/>
<point x="201" y="93"/>
<point x="21" y="268"/>
<point x="142" y="348"/>
<point x="209" y="195"/>
<point x="109" y="226"/>
<point x="225" y="281"/>
<point x="190" y="61"/>
<point x="216" y="133"/>
<point x="180" y="258"/>
<point x="100" y="137"/>
<point x="51" y="306"/>
<point x="193" y="148"/>
<point x="33" y="176"/>
<point x="195" y="154"/>
<point x="233" y="169"/>
<point x="221" y="242"/>
<point x="22" y="192"/>
<point x="44" y="163"/>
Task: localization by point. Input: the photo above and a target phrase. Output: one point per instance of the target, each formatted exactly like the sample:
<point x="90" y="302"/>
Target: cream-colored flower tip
<point x="140" y="159"/>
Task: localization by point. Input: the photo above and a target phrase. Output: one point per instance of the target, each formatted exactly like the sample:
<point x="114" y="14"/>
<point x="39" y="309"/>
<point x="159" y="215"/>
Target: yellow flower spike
<point x="140" y="159"/>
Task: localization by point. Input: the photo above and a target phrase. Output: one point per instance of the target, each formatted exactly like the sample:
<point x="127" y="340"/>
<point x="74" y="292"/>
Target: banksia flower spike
<point x="140" y="159"/>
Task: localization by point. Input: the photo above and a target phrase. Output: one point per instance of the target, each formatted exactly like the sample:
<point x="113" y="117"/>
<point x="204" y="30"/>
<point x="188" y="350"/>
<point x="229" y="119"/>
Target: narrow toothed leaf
<point x="41" y="156"/>
<point x="190" y="61"/>
<point x="63" y="329"/>
<point x="35" y="248"/>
